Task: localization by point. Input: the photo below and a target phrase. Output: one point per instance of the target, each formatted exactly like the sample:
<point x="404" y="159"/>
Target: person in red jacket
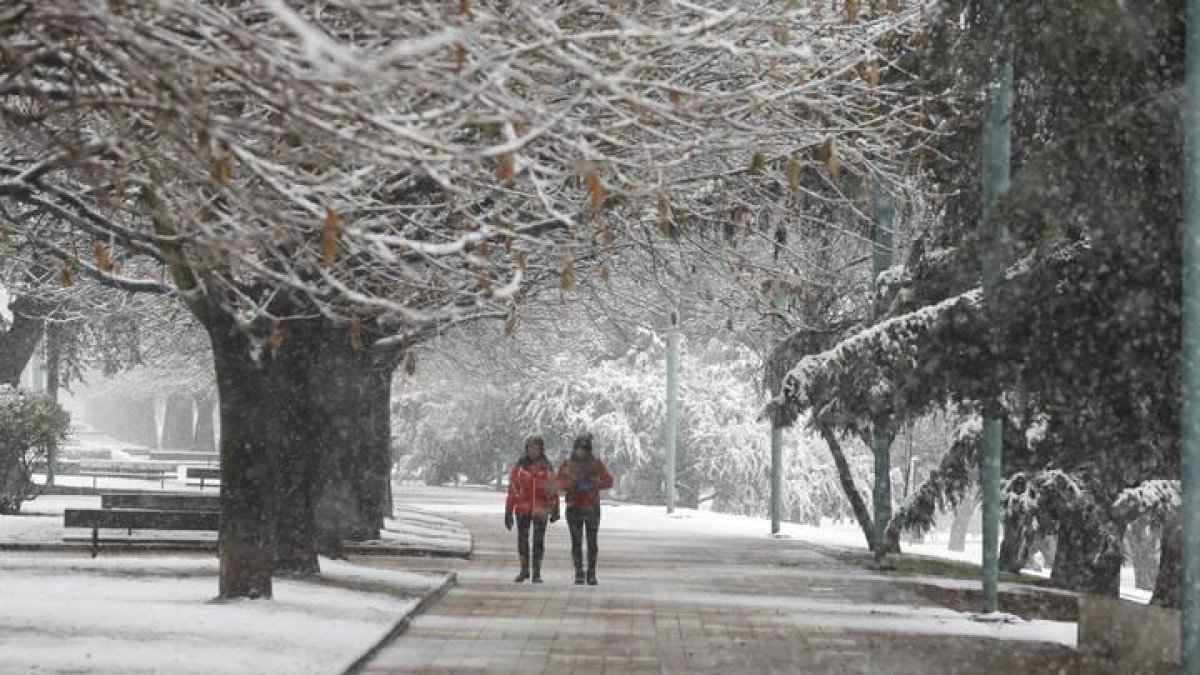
<point x="582" y="476"/>
<point x="533" y="497"/>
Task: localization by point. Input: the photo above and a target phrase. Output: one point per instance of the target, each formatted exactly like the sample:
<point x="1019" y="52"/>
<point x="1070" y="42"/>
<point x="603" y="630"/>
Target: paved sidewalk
<point x="680" y="600"/>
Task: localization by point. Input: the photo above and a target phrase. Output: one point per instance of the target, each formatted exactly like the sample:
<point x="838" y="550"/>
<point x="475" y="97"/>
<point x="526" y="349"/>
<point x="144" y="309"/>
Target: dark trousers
<point x="579" y="521"/>
<point x="539" y="539"/>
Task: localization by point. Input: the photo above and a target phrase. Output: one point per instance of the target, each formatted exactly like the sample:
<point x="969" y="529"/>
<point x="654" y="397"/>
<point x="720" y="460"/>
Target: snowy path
<point x="701" y="593"/>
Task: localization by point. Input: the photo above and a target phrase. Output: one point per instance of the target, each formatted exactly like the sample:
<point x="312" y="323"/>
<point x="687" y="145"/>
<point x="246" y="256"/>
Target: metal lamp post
<point x="1190" y="459"/>
<point x="997" y="138"/>
<point x="672" y="401"/>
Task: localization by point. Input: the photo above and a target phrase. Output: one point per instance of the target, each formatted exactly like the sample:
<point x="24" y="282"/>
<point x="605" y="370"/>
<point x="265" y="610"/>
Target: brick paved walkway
<point x="687" y="602"/>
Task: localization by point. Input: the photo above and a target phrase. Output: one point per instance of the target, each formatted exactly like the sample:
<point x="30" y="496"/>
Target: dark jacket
<point x="582" y="482"/>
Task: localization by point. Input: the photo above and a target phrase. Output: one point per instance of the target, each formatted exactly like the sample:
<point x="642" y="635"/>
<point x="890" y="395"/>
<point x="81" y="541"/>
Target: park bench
<point x="184" y="456"/>
<point x="167" y="501"/>
<point x="159" y="475"/>
<point x="203" y="473"/>
<point x="195" y="520"/>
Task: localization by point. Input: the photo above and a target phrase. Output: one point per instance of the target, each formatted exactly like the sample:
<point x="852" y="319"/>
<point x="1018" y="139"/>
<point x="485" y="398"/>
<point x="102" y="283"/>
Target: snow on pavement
<point x="698" y="592"/>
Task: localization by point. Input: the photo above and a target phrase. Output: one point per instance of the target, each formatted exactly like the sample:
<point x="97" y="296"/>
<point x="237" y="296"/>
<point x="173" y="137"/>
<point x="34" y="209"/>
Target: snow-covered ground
<point x="156" y="615"/>
<point x="418" y="529"/>
<point x="848" y="535"/>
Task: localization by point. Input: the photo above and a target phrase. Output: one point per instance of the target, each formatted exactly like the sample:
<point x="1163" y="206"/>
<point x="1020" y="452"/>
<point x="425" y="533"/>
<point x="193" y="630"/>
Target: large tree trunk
<point x="253" y="400"/>
<point x="340" y="442"/>
<point x="1088" y="558"/>
<point x="355" y="446"/>
<point x="1166" y="586"/>
<point x="302" y="362"/>
<point x="848" y="487"/>
<point x="205" y="439"/>
<point x="376" y="495"/>
<point x="346" y="450"/>
<point x="880" y="443"/>
<point x="1014" y="548"/>
<point x="178" y="423"/>
<point x="268" y="459"/>
<point x="18" y="344"/>
<point x="298" y="465"/>
<point x="1143" y="553"/>
<point x="141" y="427"/>
<point x="962" y="523"/>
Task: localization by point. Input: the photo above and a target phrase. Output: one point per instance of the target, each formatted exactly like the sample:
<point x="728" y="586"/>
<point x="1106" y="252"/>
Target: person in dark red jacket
<point x="533" y="497"/>
<point x="581" y="477"/>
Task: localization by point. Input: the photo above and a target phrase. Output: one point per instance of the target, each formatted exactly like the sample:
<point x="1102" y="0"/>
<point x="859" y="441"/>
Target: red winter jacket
<point x="532" y="490"/>
<point x="583" y="490"/>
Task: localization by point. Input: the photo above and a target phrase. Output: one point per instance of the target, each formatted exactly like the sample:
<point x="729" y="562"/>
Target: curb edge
<point x="401" y="626"/>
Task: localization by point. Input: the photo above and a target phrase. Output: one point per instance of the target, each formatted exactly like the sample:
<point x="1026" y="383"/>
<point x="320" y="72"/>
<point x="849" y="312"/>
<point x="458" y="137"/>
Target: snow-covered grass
<point x="157" y="615"/>
<point x="832" y="534"/>
<point x="41" y="520"/>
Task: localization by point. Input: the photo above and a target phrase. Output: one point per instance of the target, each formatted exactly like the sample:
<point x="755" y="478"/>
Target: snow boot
<point x="524" y="575"/>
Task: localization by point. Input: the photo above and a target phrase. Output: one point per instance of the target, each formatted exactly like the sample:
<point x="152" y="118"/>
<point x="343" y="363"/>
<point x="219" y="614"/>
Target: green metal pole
<point x="776" y="478"/>
<point x="881" y="440"/>
<point x="882" y="449"/>
<point x="53" y="343"/>
<point x="672" y="402"/>
<point x="1190" y="459"/>
<point x="782" y="303"/>
<point x="997" y="137"/>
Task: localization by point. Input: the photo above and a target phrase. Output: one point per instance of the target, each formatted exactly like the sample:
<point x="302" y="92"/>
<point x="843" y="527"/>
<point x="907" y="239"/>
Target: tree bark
<point x="178" y="423"/>
<point x="962" y="524"/>
<point x="301" y="432"/>
<point x="1088" y="559"/>
<point x="340" y="443"/>
<point x="376" y="503"/>
<point x="205" y="438"/>
<point x="345" y="451"/>
<point x="1166" y="586"/>
<point x="355" y="446"/>
<point x="880" y="443"/>
<point x="302" y="364"/>
<point x="1143" y="541"/>
<point x="141" y="427"/>
<point x="251" y="407"/>
<point x="18" y="344"/>
<point x="857" y="504"/>
<point x="1014" y="547"/>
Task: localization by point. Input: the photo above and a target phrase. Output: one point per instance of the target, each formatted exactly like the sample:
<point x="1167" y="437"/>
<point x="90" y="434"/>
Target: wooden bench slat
<point x="161" y="502"/>
<point x="123" y="474"/>
<point x="142" y="519"/>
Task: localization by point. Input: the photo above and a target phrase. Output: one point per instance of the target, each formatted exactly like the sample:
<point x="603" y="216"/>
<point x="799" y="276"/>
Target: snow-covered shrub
<point x="723" y="450"/>
<point x="29" y="425"/>
<point x="444" y="434"/>
<point x="1157" y="499"/>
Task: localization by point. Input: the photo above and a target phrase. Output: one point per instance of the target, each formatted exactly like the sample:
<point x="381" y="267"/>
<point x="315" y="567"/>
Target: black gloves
<point x="508" y="519"/>
<point x="554" y="516"/>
